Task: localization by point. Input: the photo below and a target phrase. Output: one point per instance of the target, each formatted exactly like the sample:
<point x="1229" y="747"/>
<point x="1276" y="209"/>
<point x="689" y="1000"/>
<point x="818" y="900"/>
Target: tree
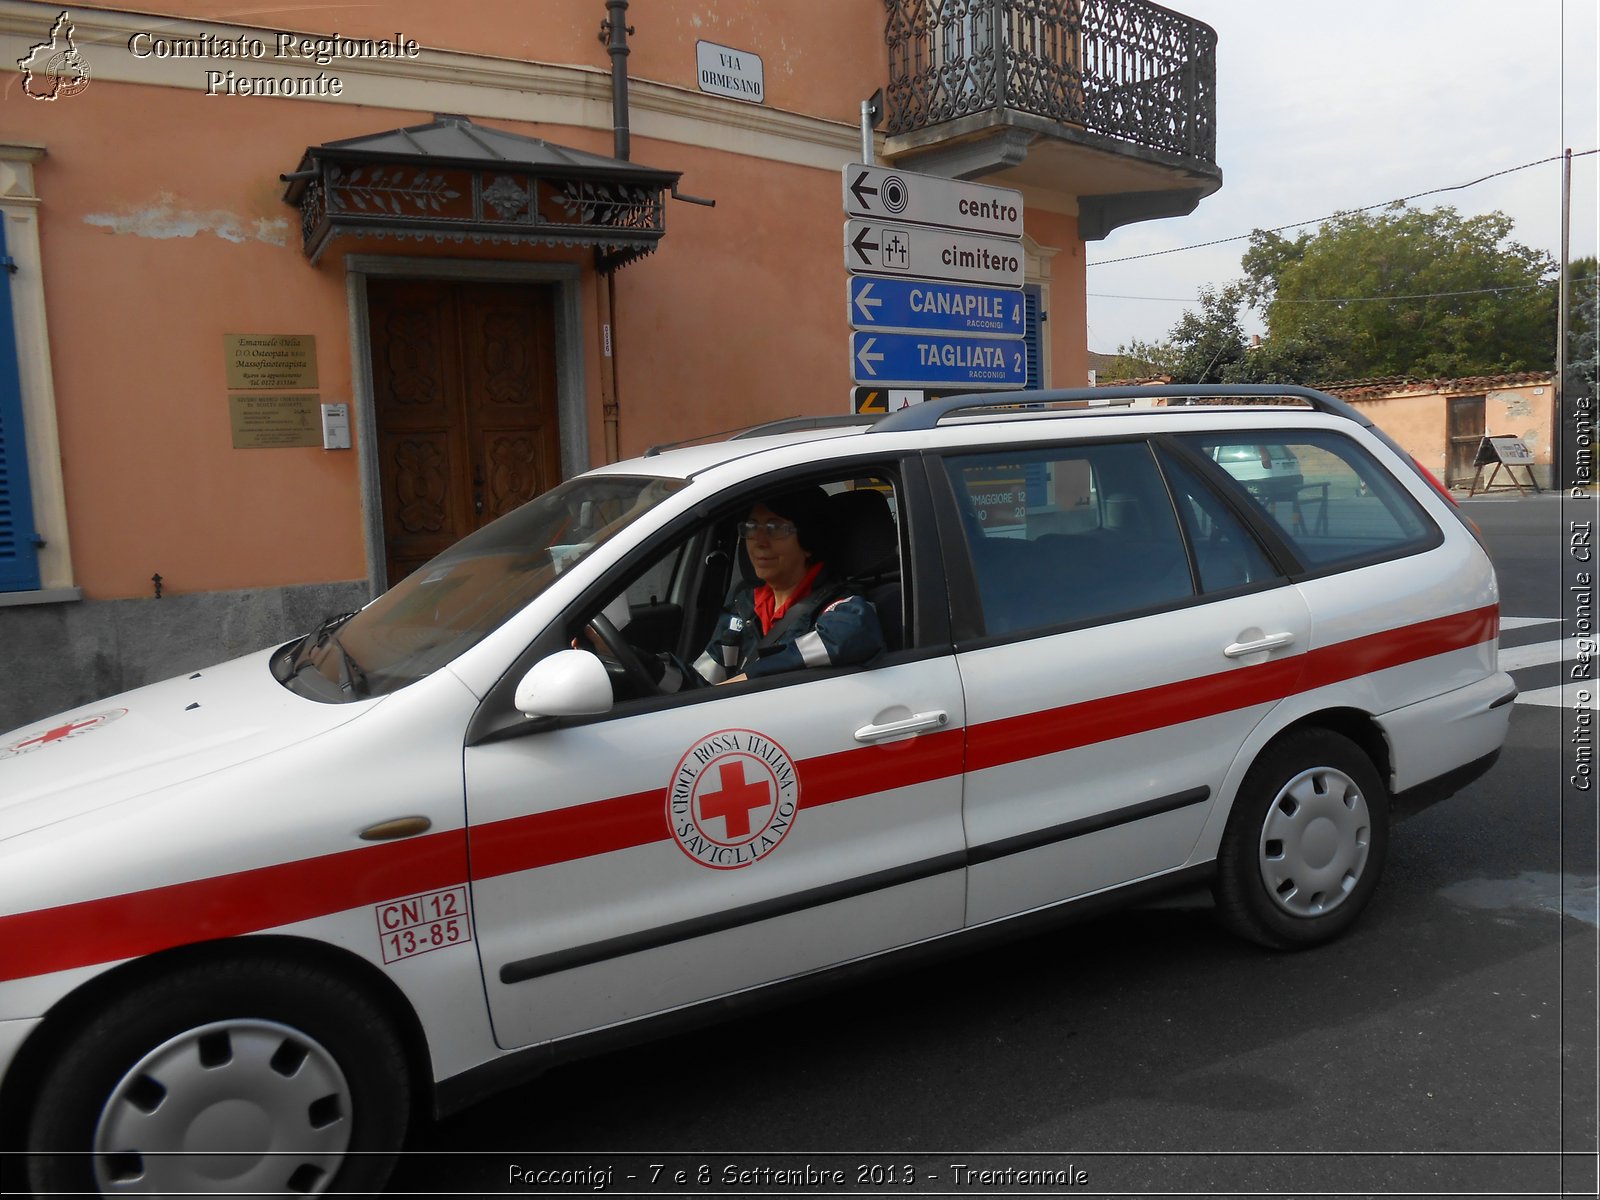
<point x="1406" y="291"/>
<point x="1210" y="347"/>
<point x="1583" y="327"/>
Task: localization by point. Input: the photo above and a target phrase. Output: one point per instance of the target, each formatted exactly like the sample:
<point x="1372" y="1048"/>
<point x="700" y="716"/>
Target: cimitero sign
<point x="724" y="71"/>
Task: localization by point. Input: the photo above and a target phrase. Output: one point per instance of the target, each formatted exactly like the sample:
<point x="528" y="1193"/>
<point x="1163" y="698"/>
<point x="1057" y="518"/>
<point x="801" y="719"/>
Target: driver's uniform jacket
<point x="830" y="626"/>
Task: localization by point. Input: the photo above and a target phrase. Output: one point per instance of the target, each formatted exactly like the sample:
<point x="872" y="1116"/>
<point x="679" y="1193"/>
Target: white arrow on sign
<point x="866" y="301"/>
<point x="866" y="358"/>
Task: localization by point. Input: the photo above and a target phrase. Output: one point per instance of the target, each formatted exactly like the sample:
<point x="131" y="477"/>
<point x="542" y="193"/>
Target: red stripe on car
<point x="136" y="923"/>
<point x="125" y="926"/>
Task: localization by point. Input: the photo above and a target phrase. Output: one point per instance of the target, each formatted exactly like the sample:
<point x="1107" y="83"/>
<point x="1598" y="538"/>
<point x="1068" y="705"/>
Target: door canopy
<point x="457" y="181"/>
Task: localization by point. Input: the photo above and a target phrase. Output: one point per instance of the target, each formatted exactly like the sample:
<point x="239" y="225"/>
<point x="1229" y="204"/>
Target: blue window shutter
<point x="19" y="554"/>
<point x="1033" y="335"/>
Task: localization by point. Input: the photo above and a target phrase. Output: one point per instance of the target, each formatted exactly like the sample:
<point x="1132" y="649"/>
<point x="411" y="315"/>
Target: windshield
<point x="450" y="604"/>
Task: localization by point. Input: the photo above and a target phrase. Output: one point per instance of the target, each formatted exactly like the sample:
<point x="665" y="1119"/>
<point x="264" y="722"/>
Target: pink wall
<point x="155" y="248"/>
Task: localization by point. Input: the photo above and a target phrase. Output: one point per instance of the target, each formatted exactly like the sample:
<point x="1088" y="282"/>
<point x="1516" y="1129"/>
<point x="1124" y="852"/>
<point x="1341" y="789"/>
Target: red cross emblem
<point x="59" y="732"/>
<point x="62" y="732"/>
<point x="736" y="800"/>
<point x="732" y="798"/>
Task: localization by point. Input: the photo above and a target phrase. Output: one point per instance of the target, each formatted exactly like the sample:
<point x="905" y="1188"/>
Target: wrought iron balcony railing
<point x="1124" y="69"/>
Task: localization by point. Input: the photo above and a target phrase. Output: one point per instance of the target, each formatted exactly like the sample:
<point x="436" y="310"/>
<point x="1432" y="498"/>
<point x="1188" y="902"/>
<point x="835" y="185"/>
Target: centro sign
<point x="892" y="195"/>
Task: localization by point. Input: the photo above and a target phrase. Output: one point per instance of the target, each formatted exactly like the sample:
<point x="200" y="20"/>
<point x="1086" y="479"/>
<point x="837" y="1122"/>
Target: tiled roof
<point x="1398" y="385"/>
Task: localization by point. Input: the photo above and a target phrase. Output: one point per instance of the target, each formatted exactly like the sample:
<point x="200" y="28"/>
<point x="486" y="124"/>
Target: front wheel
<point x="256" y="1078"/>
<point x="1305" y="843"/>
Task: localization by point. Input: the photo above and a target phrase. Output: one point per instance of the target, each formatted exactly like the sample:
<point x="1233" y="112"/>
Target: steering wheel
<point x="623" y="654"/>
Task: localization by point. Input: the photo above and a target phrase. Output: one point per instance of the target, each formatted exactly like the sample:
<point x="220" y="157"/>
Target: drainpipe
<point x="614" y="31"/>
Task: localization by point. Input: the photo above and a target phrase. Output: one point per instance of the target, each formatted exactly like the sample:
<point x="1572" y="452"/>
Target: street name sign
<point x="937" y="359"/>
<point x="882" y="248"/>
<point x="914" y="304"/>
<point x="887" y="194"/>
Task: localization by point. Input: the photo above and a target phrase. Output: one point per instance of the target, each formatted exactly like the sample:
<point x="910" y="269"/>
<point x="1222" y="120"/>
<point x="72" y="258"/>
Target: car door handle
<point x="1271" y="642"/>
<point x="912" y="724"/>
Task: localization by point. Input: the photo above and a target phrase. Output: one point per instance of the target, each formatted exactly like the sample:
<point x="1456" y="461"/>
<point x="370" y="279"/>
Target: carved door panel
<point x="463" y="379"/>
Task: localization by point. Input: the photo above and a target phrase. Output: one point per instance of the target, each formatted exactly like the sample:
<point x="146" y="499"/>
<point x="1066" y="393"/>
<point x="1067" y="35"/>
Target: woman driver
<point x="799" y="614"/>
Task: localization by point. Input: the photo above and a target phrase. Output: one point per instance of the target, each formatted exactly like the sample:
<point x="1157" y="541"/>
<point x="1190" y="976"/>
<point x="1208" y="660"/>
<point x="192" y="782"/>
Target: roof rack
<point x="782" y="425"/>
<point x="928" y="414"/>
<point x="795" y="424"/>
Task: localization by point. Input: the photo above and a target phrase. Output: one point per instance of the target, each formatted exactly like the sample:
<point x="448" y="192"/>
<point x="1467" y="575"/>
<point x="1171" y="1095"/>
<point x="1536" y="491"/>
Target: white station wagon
<point x="289" y="904"/>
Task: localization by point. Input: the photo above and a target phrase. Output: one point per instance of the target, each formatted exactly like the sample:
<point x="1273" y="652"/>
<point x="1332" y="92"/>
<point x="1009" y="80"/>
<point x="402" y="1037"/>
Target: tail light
<point x="1472" y="526"/>
<point x="1433" y="479"/>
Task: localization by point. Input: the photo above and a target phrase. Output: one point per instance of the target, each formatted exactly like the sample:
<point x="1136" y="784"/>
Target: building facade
<point x="487" y="247"/>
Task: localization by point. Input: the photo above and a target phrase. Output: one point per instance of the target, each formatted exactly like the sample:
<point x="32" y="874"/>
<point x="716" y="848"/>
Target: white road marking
<point x="1539" y="653"/>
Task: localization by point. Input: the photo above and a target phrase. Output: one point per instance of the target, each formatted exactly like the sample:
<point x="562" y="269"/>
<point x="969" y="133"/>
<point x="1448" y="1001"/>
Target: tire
<point x="1305" y="843"/>
<point x="243" y="1058"/>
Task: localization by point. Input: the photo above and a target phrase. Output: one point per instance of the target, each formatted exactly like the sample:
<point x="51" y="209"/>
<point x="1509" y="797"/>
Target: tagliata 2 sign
<point x="936" y="272"/>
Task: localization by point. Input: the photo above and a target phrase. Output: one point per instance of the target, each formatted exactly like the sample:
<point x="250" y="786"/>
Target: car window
<point x="1069" y="534"/>
<point x="1226" y="554"/>
<point x="669" y="607"/>
<point x="1335" y="504"/>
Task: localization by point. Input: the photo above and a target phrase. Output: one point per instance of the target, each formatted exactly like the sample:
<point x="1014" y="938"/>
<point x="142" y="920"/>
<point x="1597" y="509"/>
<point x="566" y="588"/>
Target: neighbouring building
<point x="1441" y="422"/>
<point x="471" y="250"/>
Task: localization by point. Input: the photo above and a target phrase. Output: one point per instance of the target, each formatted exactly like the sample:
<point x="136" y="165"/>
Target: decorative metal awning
<point x="453" y="180"/>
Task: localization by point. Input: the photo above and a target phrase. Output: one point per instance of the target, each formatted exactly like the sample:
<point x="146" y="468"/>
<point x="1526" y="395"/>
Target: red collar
<point x="768" y="613"/>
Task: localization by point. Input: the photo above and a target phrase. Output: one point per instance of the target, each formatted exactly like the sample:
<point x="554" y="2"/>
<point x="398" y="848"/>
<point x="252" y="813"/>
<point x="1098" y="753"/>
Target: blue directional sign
<point x="916" y="305"/>
<point x="937" y="359"/>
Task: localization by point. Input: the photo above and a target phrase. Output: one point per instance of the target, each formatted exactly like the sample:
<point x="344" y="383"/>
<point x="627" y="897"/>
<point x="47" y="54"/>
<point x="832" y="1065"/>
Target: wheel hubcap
<point x="1315" y="842"/>
<point x="236" y="1106"/>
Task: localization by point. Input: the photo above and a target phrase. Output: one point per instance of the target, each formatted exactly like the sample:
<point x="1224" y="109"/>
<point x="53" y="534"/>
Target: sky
<point x="1330" y="105"/>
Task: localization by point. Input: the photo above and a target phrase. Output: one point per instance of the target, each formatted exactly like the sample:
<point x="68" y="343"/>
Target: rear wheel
<point x="257" y="1078"/>
<point x="1305" y="843"/>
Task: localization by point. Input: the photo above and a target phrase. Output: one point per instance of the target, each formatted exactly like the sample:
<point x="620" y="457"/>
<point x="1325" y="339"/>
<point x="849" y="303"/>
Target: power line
<point x="1516" y="287"/>
<point x="1454" y="187"/>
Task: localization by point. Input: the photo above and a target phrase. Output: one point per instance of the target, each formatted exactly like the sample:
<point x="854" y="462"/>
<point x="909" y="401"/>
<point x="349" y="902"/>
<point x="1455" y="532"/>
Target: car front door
<point x="1123" y="634"/>
<point x="682" y="848"/>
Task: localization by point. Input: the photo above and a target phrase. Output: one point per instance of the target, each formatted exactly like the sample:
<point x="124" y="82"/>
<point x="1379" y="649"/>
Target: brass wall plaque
<point x="271" y="360"/>
<point x="267" y="422"/>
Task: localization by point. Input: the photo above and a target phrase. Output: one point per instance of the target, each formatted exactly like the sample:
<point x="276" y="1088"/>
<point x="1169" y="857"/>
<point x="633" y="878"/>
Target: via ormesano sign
<point x="724" y="71"/>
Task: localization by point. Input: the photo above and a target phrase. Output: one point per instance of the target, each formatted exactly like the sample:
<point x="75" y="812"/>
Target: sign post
<point x="936" y="270"/>
<point x="1507" y="452"/>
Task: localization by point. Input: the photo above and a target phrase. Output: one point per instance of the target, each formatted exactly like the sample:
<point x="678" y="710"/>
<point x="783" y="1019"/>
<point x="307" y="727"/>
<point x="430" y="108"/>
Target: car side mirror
<point x="569" y="683"/>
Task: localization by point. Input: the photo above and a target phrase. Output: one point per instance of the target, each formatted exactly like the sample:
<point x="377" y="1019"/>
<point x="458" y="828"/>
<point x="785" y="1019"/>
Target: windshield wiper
<point x="352" y="678"/>
<point x="313" y="641"/>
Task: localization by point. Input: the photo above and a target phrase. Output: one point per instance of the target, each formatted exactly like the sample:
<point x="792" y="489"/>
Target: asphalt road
<point x="1446" y="1047"/>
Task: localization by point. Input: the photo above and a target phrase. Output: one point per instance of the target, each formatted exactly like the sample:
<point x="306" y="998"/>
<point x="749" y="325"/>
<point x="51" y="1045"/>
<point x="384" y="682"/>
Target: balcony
<point x="1110" y="102"/>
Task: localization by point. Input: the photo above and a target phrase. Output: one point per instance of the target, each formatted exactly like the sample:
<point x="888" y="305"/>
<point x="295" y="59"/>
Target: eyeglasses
<point x="773" y="529"/>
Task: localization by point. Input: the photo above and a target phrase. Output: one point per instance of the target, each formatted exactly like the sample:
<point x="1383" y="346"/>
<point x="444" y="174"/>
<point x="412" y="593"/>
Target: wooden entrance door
<point x="1465" y="432"/>
<point x="464" y="390"/>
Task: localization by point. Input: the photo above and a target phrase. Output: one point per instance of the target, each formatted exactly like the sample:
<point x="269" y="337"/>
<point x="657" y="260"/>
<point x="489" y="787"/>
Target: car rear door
<point x="1119" y="634"/>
